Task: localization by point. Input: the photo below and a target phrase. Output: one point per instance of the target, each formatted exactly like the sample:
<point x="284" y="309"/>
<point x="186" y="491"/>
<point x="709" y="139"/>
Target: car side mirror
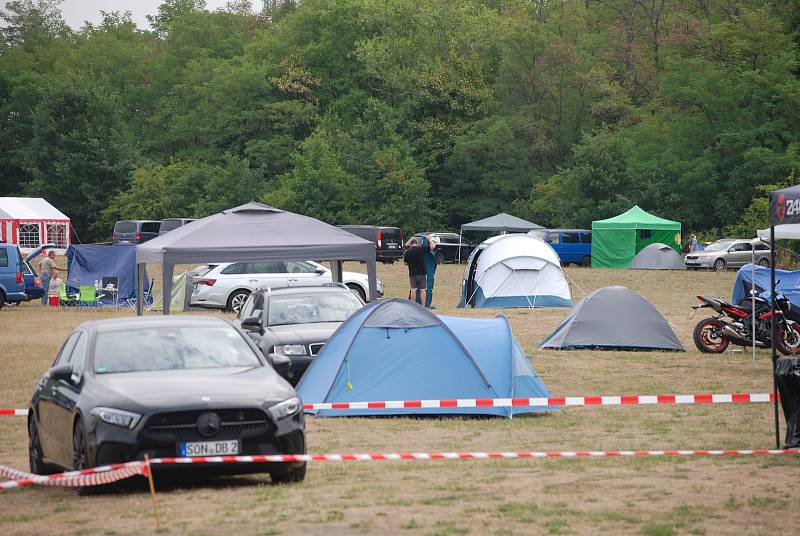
<point x="61" y="372"/>
<point x="320" y="270"/>
<point x="280" y="363"/>
<point x="252" y="324"/>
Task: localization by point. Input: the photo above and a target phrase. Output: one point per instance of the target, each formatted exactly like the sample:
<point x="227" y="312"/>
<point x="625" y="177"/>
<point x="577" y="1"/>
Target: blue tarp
<point x="788" y="282"/>
<point x="90" y="263"/>
<point x="396" y="350"/>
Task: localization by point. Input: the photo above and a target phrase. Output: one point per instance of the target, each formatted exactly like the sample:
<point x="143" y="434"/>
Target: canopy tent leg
<point x="372" y="280"/>
<point x="140" y="289"/>
<point x="166" y="286"/>
<point x="774" y="333"/>
<point x="336" y="271"/>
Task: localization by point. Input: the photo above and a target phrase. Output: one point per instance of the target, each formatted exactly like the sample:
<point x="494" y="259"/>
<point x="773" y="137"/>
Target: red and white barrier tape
<point x="112" y="473"/>
<point x="634" y="400"/>
<point x="630" y="400"/>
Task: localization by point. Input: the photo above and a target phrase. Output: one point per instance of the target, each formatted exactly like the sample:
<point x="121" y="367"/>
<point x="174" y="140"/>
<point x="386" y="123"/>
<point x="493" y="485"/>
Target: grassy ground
<point x="631" y="496"/>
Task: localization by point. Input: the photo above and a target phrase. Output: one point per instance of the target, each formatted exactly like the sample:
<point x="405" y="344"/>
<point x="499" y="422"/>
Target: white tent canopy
<point x="788" y="231"/>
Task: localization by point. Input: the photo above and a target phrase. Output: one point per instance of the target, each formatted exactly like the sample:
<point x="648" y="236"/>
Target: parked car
<point x="729" y="253"/>
<point x="134" y="231"/>
<point x="170" y="224"/>
<point x="574" y="246"/>
<point x="12" y="280"/>
<point x="163" y="386"/>
<point x="388" y="240"/>
<point x="296" y="321"/>
<point x="447" y="249"/>
<point x="227" y="285"/>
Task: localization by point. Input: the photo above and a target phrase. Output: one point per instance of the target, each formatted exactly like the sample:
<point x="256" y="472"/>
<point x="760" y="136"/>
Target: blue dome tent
<point x="397" y="350"/>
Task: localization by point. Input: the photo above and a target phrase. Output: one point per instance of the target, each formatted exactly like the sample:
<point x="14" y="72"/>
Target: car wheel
<point x="35" y="455"/>
<point x="296" y="474"/>
<point x="80" y="454"/>
<point x="237" y="299"/>
<point x="719" y="265"/>
<point x="764" y="263"/>
<point x="358" y="290"/>
<point x="2" y="299"/>
<point x="586" y="262"/>
<point x="439" y="257"/>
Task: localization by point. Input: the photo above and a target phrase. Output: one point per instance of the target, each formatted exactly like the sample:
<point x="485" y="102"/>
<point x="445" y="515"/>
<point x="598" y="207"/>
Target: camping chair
<point x="65" y="299"/>
<point x="148" y="297"/>
<point x="88" y="296"/>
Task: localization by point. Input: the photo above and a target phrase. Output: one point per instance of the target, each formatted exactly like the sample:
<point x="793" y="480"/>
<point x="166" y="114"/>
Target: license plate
<point x="209" y="448"/>
<point x="124" y="241"/>
<point x="392" y="246"/>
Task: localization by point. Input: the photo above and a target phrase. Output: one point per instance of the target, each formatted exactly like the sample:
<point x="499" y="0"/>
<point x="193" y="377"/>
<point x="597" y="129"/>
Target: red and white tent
<point x="30" y="222"/>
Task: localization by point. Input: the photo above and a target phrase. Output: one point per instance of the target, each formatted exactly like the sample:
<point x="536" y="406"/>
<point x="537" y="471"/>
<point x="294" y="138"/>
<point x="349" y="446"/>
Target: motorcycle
<point x="733" y="324"/>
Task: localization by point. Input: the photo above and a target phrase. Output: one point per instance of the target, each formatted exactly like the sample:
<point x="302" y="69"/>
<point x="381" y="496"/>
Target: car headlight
<point x="118" y="417"/>
<point x="291" y="349"/>
<point x="284" y="409"/>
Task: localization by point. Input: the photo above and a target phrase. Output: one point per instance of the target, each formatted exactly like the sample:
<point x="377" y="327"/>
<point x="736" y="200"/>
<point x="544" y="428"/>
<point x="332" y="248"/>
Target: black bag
<point x="787" y="376"/>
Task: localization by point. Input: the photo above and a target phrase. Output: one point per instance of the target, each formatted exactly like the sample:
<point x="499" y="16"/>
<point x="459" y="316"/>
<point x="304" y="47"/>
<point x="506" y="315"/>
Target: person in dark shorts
<point x="417" y="272"/>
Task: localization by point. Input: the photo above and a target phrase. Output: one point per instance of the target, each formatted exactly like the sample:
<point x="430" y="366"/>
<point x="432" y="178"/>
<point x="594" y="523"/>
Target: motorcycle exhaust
<point x="730" y="332"/>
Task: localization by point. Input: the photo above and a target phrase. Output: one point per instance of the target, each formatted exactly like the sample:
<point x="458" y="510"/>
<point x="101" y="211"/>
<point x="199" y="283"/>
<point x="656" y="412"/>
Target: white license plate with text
<point x="209" y="448"/>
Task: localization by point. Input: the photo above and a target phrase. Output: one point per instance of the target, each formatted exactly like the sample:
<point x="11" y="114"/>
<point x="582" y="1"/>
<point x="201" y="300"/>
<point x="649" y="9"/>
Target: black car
<point x="165" y="387"/>
<point x="388" y="240"/>
<point x="297" y="321"/>
<point x="448" y="246"/>
<point x="128" y="232"/>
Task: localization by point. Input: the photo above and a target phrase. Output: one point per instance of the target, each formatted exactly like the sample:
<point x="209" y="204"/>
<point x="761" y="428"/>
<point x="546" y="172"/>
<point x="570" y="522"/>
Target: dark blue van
<point x="12" y="282"/>
<point x="574" y="246"/>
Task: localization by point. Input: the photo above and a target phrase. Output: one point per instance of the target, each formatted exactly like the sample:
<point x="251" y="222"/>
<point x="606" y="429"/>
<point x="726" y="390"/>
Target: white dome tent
<point x="514" y="270"/>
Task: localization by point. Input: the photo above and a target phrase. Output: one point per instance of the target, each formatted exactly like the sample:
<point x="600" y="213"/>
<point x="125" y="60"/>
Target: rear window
<point x="151" y="227"/>
<point x="26" y="269"/>
<point x="125" y="227"/>
<point x="3" y="258"/>
<point x="169" y="225"/>
<point x="390" y="233"/>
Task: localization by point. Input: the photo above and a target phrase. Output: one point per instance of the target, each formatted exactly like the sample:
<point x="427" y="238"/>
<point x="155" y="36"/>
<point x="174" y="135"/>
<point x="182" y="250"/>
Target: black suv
<point x="447" y="250"/>
<point x="388" y="240"/>
<point x="134" y="231"/>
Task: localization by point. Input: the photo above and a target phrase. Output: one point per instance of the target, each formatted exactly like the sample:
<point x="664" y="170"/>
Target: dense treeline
<point x="422" y="114"/>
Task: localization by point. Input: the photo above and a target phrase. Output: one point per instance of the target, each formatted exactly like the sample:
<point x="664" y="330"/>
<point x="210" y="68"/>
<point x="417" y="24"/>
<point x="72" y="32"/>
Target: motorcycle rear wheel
<point x="708" y="336"/>
<point x="788" y="342"/>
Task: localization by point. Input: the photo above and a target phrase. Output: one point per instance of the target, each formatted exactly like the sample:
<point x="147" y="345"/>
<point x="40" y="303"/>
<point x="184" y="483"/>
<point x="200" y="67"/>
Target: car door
<point x="270" y="274"/>
<point x="67" y="399"/>
<point x="739" y="254"/>
<point x="305" y="274"/>
<point x="45" y="402"/>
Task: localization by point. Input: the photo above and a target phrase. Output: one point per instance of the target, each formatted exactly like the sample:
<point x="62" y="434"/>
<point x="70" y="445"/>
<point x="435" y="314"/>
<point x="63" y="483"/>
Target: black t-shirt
<point x="415" y="258"/>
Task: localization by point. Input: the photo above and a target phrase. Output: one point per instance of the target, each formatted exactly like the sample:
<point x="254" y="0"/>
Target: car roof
<point x="310" y="289"/>
<point x="137" y="322"/>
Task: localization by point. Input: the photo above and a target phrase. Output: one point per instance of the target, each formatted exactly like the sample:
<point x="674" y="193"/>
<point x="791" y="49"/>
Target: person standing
<point x="692" y="243"/>
<point x="417" y="271"/>
<point x="430" y="267"/>
<point x="47" y="270"/>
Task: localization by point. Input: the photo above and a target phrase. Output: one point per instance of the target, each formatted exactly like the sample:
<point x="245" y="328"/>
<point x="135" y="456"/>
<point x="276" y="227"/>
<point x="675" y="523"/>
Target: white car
<point x="227" y="285"/>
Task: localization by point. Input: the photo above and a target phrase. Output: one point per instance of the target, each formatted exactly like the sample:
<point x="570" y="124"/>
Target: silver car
<point x="729" y="253"/>
<point x="227" y="285"/>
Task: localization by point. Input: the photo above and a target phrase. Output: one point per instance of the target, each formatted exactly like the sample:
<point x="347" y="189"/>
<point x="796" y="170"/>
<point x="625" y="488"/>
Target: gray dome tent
<point x="657" y="257"/>
<point x="614" y="318"/>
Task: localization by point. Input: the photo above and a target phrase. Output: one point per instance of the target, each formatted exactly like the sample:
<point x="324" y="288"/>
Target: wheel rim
<point x="78" y="449"/>
<point x="791" y="340"/>
<point x="711" y="335"/>
<point x="763" y="262"/>
<point x="237" y="301"/>
<point x="719" y="265"/>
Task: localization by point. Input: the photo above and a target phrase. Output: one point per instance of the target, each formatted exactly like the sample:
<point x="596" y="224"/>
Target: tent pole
<point x="336" y="271"/>
<point x="139" y="289"/>
<point x="372" y="280"/>
<point x="166" y="287"/>
<point x="774" y="332"/>
<point x="753" y="299"/>
<point x="460" y="231"/>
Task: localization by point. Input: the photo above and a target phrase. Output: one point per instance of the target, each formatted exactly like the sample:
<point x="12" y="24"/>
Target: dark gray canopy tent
<point x="505" y="223"/>
<point x="657" y="256"/>
<point x="252" y="232"/>
<point x="614" y="318"/>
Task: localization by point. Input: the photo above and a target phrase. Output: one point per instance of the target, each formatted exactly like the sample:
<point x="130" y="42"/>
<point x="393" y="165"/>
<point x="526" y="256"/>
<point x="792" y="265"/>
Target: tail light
<point x="207" y="282"/>
<point x="138" y="237"/>
<point x="19" y="277"/>
<point x="379" y="239"/>
<point x="114" y="236"/>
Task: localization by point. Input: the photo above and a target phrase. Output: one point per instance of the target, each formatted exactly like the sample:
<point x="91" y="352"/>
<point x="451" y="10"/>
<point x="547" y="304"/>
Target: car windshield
<point x="311" y="308"/>
<point x="719" y="246"/>
<point x="171" y="348"/>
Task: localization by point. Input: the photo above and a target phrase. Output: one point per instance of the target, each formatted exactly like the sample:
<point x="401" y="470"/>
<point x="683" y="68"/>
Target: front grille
<point x="315" y="348"/>
<point x="691" y="257"/>
<point x="182" y="425"/>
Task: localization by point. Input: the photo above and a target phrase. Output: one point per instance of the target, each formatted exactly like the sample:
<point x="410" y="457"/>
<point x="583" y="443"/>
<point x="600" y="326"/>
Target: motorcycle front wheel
<point x="708" y="336"/>
<point x="788" y="342"/>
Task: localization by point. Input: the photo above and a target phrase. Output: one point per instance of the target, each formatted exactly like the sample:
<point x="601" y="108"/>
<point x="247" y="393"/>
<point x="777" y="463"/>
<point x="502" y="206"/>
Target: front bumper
<point x="109" y="444"/>
<point x="698" y="262"/>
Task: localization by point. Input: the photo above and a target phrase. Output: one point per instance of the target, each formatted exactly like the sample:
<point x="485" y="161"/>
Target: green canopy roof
<point x="636" y="218"/>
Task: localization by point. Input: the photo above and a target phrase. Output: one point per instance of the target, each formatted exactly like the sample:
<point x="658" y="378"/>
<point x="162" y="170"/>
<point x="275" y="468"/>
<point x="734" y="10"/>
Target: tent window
<point x="645" y="233"/>
<point x="29" y="235"/>
<point x="57" y="234"/>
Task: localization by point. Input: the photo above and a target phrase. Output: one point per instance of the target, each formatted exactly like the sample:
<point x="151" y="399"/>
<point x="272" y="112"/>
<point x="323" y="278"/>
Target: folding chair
<point x="65" y="299"/>
<point x="147" y="295"/>
<point x="88" y="296"/>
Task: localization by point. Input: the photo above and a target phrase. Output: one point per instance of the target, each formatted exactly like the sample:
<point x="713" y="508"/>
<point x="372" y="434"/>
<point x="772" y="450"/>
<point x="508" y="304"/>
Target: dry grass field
<point x="587" y="496"/>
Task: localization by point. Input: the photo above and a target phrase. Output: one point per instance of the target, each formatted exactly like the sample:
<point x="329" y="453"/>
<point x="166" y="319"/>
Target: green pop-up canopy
<point x="617" y="240"/>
